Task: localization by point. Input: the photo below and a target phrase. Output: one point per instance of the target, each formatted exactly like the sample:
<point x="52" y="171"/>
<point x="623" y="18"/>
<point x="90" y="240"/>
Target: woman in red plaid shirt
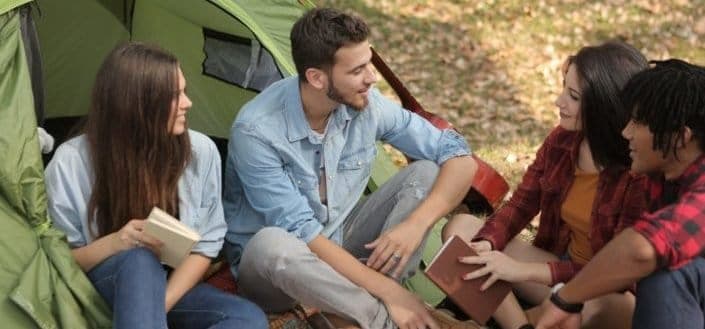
<point x="581" y="186"/>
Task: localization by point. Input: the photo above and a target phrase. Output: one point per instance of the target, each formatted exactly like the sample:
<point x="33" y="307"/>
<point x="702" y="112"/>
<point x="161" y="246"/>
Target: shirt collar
<point x="296" y="123"/>
<point x="569" y="141"/>
<point x="692" y="173"/>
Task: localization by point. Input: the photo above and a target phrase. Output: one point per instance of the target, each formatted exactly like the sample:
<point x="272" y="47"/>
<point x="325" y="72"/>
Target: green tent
<point x="229" y="49"/>
<point x="40" y="285"/>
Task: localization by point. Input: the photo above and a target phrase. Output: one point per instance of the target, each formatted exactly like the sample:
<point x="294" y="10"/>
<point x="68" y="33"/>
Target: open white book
<point x="177" y="238"/>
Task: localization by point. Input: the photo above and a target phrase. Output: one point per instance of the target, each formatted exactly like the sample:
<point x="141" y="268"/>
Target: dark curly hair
<point x="667" y="98"/>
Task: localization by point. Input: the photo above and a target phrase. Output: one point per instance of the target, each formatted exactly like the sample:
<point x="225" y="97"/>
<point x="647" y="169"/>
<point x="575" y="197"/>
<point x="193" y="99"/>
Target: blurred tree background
<point x="492" y="67"/>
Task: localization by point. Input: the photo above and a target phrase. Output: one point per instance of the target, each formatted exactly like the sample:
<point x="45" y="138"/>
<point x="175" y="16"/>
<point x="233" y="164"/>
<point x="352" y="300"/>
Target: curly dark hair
<point x="668" y="97"/>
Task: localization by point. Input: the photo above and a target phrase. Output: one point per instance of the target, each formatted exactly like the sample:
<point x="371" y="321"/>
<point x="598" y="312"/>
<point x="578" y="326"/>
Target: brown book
<point x="446" y="272"/>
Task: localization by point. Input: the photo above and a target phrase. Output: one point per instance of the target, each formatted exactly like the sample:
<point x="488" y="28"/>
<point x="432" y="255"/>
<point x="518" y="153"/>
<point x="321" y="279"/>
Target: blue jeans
<point x="672" y="299"/>
<point x="133" y="283"/>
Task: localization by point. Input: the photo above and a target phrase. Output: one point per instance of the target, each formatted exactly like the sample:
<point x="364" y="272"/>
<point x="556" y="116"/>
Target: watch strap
<point x="562" y="304"/>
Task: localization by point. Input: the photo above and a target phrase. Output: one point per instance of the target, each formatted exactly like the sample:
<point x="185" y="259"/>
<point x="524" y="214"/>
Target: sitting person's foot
<point x="446" y="320"/>
<point x="339" y="322"/>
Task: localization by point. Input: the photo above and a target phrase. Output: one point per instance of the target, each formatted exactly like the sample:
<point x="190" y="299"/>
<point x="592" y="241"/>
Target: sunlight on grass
<point x="492" y="67"/>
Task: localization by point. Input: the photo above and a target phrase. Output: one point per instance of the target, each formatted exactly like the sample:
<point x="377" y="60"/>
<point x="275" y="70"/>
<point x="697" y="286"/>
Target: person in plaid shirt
<point x="663" y="250"/>
<point x="579" y="183"/>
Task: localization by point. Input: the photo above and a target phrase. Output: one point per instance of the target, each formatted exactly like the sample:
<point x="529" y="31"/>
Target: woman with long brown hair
<point x="137" y="153"/>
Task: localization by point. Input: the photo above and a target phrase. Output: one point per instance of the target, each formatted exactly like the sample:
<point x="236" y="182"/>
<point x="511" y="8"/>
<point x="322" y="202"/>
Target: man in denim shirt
<point x="300" y="155"/>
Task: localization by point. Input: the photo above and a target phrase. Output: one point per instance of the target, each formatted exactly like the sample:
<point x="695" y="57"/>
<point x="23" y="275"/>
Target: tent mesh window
<point x="240" y="61"/>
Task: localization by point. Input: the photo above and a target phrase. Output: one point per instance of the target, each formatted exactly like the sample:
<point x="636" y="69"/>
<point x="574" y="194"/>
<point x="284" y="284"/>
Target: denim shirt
<point x="274" y="159"/>
<point x="69" y="183"/>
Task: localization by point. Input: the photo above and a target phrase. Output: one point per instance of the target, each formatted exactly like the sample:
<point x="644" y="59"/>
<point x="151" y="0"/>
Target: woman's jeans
<point x="672" y="299"/>
<point x="133" y="283"/>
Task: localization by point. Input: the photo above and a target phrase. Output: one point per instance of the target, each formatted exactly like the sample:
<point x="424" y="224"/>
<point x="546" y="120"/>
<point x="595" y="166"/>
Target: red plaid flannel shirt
<point x="620" y="199"/>
<point x="676" y="227"/>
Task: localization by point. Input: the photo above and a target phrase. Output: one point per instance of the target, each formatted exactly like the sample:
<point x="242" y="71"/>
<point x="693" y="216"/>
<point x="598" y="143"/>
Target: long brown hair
<point x="136" y="161"/>
<point x="603" y="70"/>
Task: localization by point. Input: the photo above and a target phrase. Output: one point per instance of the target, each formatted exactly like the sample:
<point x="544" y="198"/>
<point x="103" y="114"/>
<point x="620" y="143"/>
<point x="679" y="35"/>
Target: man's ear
<point x="317" y="78"/>
<point x="687" y="136"/>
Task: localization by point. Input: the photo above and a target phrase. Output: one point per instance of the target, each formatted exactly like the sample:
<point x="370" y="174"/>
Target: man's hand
<point x="394" y="247"/>
<point x="407" y="310"/>
<point x="498" y="265"/>
<point x="553" y="317"/>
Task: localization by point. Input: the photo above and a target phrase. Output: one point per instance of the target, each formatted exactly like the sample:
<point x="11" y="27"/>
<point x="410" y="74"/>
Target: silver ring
<point x="396" y="256"/>
<point x="138" y="243"/>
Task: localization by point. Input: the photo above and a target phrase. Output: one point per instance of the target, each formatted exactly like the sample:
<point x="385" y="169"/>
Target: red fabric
<point x="620" y="199"/>
<point x="676" y="228"/>
<point x="223" y="279"/>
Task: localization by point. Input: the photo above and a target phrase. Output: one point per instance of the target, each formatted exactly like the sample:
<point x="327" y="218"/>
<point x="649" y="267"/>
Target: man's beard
<point x="334" y="94"/>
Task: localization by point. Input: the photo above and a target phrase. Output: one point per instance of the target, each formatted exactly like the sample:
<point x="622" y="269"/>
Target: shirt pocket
<point x="354" y="167"/>
<point x="358" y="159"/>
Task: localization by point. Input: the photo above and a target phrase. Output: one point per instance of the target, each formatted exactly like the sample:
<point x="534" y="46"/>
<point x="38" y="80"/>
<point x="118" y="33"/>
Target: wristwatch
<point x="562" y="304"/>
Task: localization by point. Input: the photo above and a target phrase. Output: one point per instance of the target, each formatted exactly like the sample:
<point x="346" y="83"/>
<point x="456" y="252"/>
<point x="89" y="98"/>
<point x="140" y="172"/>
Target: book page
<point x="177" y="238"/>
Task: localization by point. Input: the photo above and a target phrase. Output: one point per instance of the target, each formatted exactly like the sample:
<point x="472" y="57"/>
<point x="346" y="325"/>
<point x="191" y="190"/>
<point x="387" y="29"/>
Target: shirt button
<point x="330" y="177"/>
<point x="359" y="163"/>
<point x="298" y="182"/>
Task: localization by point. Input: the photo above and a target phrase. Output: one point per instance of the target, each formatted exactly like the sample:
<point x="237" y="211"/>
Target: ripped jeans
<point x="277" y="269"/>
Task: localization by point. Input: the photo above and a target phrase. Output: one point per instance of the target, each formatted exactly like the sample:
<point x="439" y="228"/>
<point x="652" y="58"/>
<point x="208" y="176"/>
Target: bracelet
<point x="562" y="304"/>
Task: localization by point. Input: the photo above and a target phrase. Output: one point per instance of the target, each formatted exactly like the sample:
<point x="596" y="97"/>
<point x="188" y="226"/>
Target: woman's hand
<point x="132" y="236"/>
<point x="499" y="267"/>
<point x="481" y="246"/>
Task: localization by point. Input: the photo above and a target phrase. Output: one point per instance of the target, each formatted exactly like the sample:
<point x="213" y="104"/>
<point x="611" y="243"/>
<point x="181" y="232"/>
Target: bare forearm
<point x="451" y="186"/>
<point x="347" y="265"/>
<point x="95" y="252"/>
<point x="185" y="277"/>
<point x="539" y="272"/>
<point x="622" y="262"/>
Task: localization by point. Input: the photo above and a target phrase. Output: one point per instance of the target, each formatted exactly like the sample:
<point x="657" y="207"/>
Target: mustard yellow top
<point x="576" y="210"/>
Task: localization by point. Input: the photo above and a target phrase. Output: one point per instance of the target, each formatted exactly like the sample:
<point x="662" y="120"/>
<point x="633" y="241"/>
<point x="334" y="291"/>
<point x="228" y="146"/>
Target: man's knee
<point x="424" y="171"/>
<point x="657" y="281"/>
<point x="269" y="249"/>
<point x="670" y="299"/>
<point x="686" y="279"/>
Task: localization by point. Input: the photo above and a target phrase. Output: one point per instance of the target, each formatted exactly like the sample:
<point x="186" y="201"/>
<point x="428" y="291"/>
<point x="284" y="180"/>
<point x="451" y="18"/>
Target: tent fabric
<point x="72" y="49"/>
<point x="7" y="5"/>
<point x="34" y="62"/>
<point x="74" y="37"/>
<point x="40" y="284"/>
